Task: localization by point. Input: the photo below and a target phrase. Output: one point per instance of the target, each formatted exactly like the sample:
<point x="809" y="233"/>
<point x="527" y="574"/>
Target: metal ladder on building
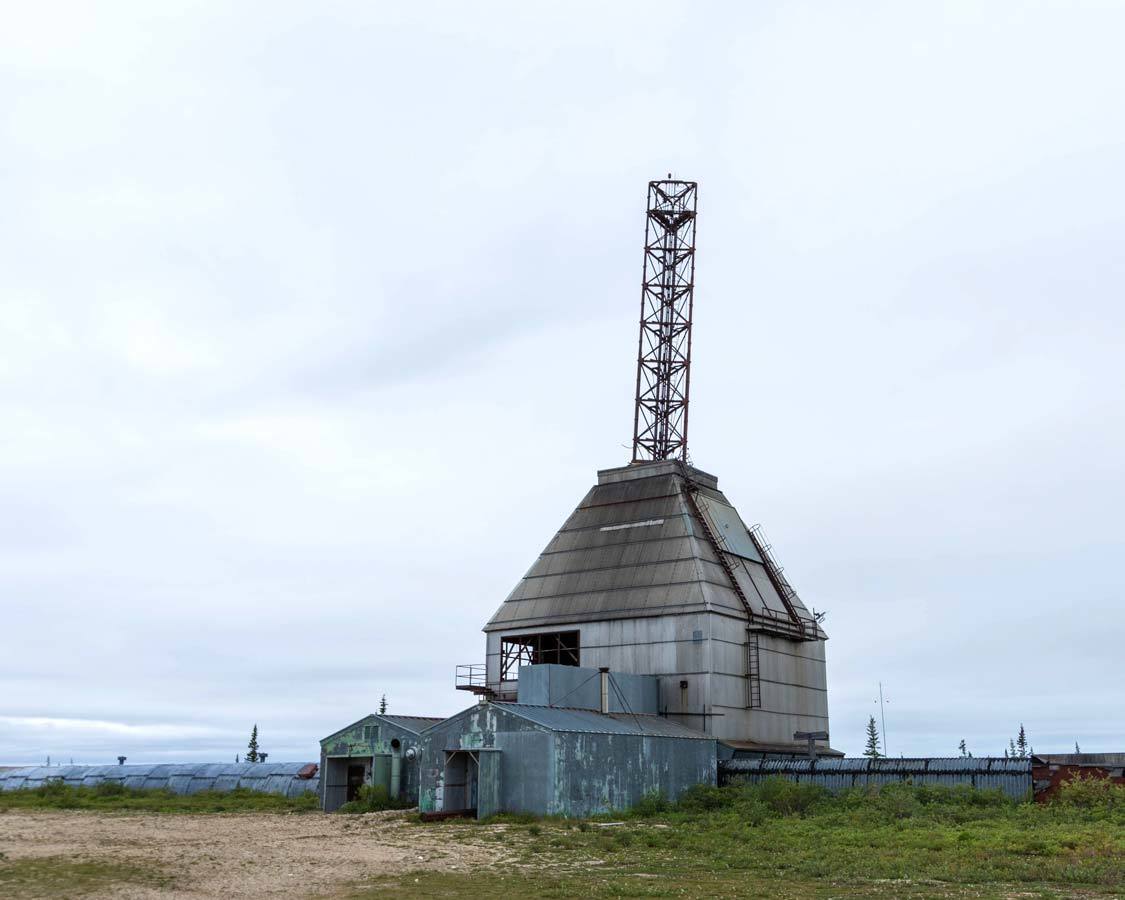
<point x="753" y="672"/>
<point x="753" y="669"/>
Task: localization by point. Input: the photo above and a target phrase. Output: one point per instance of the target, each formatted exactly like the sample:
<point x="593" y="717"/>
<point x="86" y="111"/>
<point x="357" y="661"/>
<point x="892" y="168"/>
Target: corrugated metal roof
<point x="635" y="548"/>
<point x="1082" y="759"/>
<point x="557" y="718"/>
<point x="885" y="765"/>
<point x="190" y="778"/>
<point x="417" y="724"/>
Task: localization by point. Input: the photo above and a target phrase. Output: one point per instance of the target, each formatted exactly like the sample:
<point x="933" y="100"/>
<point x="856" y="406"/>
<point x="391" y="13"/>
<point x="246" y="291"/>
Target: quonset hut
<point x="289" y="779"/>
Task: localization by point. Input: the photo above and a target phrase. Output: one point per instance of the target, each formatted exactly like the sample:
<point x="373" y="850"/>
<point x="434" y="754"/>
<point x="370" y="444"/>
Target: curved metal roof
<point x="1012" y="776"/>
<point x="190" y="778"/>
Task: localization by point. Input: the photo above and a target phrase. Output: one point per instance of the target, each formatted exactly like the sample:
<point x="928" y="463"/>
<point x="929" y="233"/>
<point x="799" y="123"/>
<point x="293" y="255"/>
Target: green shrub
<point x="374" y="798"/>
<point x="54" y="789"/>
<point x="55" y="794"/>
<point x="789" y="798"/>
<point x="705" y="798"/>
<point x="899" y="801"/>
<point x="1091" y="792"/>
<point x="752" y="811"/>
<point x="651" y="804"/>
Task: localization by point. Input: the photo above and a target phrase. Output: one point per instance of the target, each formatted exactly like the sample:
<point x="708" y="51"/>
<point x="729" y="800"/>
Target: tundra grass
<point x="52" y="876"/>
<point x="784" y="840"/>
<point x="111" y="796"/>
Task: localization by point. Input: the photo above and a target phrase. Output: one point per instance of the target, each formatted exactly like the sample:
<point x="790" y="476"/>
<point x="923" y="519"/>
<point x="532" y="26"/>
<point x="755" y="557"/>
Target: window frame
<point x="563" y="648"/>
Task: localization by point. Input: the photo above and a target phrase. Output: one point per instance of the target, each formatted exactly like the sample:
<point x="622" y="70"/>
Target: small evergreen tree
<point x="252" y="747"/>
<point x="872" y="747"/>
<point x="1076" y="747"/>
<point x="1012" y="749"/>
<point x="964" y="750"/>
<point x="1021" y="743"/>
<point x="383" y="705"/>
<point x="236" y="758"/>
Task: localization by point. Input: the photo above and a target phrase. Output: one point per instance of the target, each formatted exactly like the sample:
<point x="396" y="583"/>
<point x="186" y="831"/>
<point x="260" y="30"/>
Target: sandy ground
<point x="257" y="855"/>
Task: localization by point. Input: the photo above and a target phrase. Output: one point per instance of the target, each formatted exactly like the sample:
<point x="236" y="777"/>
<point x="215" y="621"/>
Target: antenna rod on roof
<point x="660" y="420"/>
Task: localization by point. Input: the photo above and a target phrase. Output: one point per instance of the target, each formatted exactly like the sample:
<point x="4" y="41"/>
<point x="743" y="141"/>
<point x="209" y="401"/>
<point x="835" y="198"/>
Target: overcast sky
<point x="316" y="321"/>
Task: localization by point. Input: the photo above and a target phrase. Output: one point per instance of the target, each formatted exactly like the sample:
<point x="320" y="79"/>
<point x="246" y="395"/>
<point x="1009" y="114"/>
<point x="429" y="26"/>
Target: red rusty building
<point x="1049" y="770"/>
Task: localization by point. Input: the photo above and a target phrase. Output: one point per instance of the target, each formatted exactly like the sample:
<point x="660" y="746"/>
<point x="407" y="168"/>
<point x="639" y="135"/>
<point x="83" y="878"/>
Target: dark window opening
<point x="559" y="647"/>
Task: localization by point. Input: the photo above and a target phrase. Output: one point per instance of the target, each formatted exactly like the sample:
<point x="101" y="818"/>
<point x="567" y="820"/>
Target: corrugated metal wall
<point x="1012" y="776"/>
<point x="269" y="778"/>
<point x="370" y="741"/>
<point x="554" y="761"/>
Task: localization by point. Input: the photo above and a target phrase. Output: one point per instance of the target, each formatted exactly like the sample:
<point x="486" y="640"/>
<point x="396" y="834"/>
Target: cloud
<point x="315" y="325"/>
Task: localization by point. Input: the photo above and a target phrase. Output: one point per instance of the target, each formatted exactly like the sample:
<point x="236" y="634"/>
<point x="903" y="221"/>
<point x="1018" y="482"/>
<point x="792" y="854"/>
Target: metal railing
<point x="804" y="625"/>
<point x="472" y="677"/>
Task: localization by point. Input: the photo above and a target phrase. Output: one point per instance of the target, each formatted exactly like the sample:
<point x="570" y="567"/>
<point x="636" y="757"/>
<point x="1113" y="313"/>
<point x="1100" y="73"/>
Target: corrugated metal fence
<point x="290" y="779"/>
<point x="1012" y="776"/>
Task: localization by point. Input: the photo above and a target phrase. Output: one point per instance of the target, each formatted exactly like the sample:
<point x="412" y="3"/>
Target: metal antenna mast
<point x="664" y="350"/>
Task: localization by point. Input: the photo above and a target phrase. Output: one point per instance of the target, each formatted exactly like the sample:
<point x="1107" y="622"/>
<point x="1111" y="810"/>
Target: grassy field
<point x="53" y="876"/>
<point x="110" y="795"/>
<point x="779" y="839"/>
<point x="775" y="839"/>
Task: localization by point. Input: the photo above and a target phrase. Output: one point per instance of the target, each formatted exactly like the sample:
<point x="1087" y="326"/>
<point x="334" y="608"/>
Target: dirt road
<point x="251" y="855"/>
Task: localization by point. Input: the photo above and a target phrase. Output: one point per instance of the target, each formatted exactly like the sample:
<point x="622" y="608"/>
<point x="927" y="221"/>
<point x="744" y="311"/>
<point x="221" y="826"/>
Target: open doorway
<point x="459" y="787"/>
<point x="356" y="776"/>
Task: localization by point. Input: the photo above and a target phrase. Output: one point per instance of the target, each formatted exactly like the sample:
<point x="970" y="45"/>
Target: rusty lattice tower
<point x="660" y="423"/>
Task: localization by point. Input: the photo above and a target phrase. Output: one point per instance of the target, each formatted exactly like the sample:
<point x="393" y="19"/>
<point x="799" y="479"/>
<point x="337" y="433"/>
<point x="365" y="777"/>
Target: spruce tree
<point x="1076" y="747"/>
<point x="964" y="750"/>
<point x="252" y="747"/>
<point x="1012" y="749"/>
<point x="872" y="747"/>
<point x="383" y="705"/>
<point x="1021" y="743"/>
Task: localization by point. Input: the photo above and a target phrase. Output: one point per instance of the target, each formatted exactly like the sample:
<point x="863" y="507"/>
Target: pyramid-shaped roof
<point x="651" y="539"/>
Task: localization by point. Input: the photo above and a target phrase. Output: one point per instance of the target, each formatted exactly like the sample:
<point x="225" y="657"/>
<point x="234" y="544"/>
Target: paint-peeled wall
<point x="517" y="774"/>
<point x="370" y="742"/>
<point x="493" y="759"/>
<point x="597" y="773"/>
